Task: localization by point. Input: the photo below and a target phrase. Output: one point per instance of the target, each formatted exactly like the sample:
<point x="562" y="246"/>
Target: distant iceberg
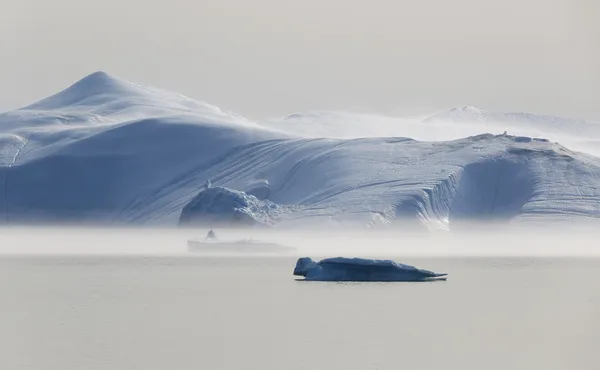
<point x="361" y="269"/>
<point x="236" y="246"/>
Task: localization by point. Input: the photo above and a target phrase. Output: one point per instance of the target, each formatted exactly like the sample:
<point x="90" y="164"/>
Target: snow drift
<point x="220" y="206"/>
<point x="107" y="150"/>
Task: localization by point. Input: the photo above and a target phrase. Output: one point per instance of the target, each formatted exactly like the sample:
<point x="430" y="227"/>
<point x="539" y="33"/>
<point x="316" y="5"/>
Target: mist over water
<point x="484" y="239"/>
<point x="97" y="299"/>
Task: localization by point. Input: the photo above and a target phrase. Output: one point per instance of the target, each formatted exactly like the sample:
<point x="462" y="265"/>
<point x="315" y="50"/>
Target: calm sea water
<point x="133" y="312"/>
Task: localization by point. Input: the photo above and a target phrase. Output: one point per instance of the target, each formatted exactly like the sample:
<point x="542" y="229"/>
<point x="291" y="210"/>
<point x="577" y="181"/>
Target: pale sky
<point x="266" y="58"/>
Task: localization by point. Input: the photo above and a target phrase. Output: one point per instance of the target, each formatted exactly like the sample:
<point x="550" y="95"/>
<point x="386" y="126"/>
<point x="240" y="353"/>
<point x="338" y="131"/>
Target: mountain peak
<point x="96" y="77"/>
<point x="99" y="82"/>
<point x="91" y="89"/>
<point x="466" y="108"/>
<point x="464" y="113"/>
<point x="102" y="94"/>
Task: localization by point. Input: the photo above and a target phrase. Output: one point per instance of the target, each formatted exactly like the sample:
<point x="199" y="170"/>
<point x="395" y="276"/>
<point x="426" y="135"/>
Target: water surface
<point x="152" y="312"/>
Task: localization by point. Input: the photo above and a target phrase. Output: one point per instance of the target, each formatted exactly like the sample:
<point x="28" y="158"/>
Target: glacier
<point x="110" y="151"/>
<point x="361" y="269"/>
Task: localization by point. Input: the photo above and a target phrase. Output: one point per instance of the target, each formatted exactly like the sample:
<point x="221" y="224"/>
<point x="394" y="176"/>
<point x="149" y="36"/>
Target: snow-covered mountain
<point x="449" y="125"/>
<point x="574" y="133"/>
<point x="469" y="114"/>
<point x="106" y="150"/>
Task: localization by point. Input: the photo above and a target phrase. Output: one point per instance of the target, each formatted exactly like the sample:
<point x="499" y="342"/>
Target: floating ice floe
<point x="361" y="269"/>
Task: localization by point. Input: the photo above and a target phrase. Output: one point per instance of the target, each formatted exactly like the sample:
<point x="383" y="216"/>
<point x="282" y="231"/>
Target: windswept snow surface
<point x="107" y="150"/>
<point x="361" y="269"/>
<point x="450" y="125"/>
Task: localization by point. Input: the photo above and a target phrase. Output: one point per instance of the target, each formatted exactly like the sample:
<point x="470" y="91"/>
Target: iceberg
<point x="114" y="152"/>
<point x="228" y="207"/>
<point x="361" y="269"/>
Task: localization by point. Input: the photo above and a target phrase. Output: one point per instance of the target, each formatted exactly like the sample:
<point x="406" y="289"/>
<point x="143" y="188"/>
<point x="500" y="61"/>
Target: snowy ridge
<point x="107" y="150"/>
<point x="474" y="115"/>
<point x="344" y="125"/>
<point x="574" y="133"/>
<point x="450" y="125"/>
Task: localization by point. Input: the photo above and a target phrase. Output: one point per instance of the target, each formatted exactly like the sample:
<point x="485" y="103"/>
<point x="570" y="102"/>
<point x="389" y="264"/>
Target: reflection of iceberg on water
<point x="360" y="269"/>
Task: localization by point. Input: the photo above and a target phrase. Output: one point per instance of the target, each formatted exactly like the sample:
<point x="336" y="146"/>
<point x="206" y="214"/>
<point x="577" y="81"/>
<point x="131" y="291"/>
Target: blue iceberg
<point x="361" y="269"/>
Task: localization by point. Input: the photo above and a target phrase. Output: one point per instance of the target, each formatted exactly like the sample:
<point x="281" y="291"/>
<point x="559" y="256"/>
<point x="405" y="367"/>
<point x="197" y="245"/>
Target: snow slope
<point x="107" y="150"/>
